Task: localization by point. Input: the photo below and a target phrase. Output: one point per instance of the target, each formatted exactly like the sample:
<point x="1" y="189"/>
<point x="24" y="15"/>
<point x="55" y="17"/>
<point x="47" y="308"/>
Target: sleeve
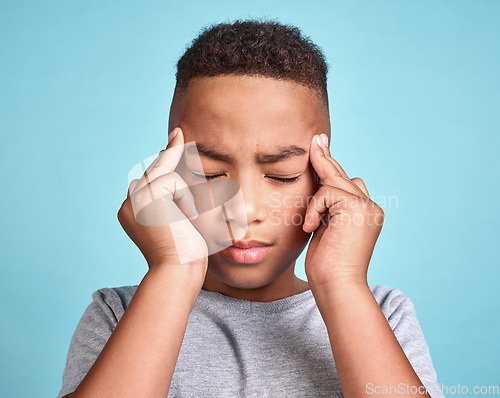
<point x="91" y="335"/>
<point x="401" y="316"/>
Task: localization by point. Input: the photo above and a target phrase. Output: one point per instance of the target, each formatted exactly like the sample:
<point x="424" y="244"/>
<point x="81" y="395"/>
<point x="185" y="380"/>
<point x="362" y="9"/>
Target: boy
<point x="238" y="322"/>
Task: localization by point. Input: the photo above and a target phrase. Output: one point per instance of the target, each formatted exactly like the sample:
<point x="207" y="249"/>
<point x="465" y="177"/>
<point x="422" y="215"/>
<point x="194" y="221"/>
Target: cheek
<point x="288" y="206"/>
<point x="287" y="210"/>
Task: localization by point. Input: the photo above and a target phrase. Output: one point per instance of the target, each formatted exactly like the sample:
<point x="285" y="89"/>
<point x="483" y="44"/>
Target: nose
<point x="254" y="197"/>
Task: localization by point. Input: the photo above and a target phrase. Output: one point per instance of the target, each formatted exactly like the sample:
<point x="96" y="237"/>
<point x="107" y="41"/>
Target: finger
<point x="171" y="186"/>
<point x="337" y="165"/>
<point x="132" y="186"/>
<point x="361" y="185"/>
<point x="326" y="151"/>
<point x="358" y="181"/>
<point x="321" y="167"/>
<point x="328" y="172"/>
<point x="166" y="161"/>
<point x="326" y="199"/>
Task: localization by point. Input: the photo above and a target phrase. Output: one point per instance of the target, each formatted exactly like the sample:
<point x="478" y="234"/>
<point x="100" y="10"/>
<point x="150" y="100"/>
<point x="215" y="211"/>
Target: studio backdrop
<point x="414" y="99"/>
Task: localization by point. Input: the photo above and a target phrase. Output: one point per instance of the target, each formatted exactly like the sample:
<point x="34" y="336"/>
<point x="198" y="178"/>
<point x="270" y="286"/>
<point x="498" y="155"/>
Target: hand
<point x="342" y="245"/>
<point x="148" y="213"/>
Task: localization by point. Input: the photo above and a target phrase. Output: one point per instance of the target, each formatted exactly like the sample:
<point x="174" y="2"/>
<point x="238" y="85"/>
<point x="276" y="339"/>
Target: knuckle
<point x="381" y="212"/>
<point x="121" y="211"/>
<point x="377" y="212"/>
<point x="168" y="176"/>
<point x="324" y="190"/>
<point x="133" y="184"/>
<point x="377" y="208"/>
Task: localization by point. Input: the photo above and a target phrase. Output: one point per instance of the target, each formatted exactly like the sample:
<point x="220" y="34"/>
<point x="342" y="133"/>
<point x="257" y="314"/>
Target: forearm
<point x="140" y="356"/>
<point x="364" y="346"/>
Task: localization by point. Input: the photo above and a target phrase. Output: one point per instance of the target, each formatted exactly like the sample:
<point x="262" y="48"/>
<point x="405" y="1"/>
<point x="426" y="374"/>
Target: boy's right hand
<point x="150" y="201"/>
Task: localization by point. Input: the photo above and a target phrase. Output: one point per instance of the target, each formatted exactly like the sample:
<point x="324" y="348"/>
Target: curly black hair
<point x="255" y="48"/>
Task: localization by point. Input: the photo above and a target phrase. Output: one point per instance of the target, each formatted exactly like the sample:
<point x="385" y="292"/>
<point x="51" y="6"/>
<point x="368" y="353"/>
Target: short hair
<point x="254" y="48"/>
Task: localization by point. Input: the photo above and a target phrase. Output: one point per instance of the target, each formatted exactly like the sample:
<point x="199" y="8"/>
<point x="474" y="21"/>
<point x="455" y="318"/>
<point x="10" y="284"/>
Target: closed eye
<point x="214" y="176"/>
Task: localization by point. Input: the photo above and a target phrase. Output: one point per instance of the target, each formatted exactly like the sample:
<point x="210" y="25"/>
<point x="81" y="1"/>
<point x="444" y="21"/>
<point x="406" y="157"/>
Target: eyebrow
<point x="287" y="152"/>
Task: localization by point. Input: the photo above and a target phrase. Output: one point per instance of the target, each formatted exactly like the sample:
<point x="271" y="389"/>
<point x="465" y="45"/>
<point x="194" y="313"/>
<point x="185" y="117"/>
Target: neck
<point x="287" y="284"/>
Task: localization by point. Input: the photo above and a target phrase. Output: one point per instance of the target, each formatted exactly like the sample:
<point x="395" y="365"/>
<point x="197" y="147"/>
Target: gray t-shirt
<point x="238" y="348"/>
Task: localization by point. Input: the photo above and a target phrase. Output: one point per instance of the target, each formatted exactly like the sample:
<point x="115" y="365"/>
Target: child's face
<point x="245" y="118"/>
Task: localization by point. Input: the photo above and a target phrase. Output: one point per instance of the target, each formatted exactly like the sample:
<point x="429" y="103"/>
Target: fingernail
<point x="173" y="134"/>
<point x="193" y="217"/>
<point x="319" y="140"/>
<point x="325" y="139"/>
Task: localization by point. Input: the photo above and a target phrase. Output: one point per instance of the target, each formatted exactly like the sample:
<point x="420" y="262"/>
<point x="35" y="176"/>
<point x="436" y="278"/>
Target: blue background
<point x="86" y="88"/>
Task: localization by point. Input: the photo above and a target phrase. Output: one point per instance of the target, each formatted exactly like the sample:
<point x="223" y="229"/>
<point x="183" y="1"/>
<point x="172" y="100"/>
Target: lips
<point x="247" y="252"/>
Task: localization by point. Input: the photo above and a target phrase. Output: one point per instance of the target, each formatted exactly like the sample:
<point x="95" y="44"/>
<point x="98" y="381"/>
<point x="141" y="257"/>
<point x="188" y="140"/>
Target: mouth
<point x="247" y="252"/>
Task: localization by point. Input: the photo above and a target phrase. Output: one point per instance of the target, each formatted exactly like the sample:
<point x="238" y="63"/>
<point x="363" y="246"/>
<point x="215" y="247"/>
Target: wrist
<point x="190" y="275"/>
<point x="328" y="279"/>
<point x="340" y="295"/>
<point x="339" y="285"/>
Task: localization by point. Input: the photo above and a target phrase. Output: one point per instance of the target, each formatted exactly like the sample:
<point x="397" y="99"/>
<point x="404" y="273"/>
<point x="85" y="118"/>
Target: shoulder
<point x="386" y="295"/>
<point x="115" y="299"/>
<point x="123" y="294"/>
<point x="391" y="300"/>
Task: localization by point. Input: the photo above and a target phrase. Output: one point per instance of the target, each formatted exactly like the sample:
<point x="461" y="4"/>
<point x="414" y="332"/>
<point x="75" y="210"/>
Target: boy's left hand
<point x="346" y="224"/>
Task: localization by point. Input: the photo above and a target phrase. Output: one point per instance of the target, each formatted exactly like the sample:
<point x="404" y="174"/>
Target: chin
<point x="242" y="276"/>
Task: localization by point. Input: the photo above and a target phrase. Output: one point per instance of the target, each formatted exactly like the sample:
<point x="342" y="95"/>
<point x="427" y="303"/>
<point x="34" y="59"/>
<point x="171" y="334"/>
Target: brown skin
<point x="243" y="116"/>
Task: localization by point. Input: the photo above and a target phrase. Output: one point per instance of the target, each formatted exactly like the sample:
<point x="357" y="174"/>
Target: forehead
<point x="237" y="111"/>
